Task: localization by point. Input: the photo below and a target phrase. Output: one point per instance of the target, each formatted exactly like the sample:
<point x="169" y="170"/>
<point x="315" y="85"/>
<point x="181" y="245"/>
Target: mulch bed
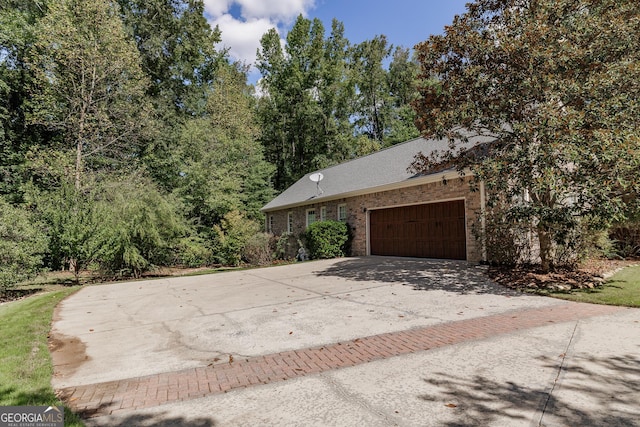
<point x="590" y="274"/>
<point x="16" y="294"/>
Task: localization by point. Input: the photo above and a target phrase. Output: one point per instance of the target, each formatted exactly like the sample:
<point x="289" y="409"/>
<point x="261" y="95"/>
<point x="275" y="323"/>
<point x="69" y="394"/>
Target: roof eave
<point x="410" y="182"/>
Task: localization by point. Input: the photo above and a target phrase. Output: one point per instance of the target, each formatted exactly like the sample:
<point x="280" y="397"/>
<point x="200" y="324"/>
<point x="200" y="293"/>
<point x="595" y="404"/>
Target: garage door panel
<point x="435" y="230"/>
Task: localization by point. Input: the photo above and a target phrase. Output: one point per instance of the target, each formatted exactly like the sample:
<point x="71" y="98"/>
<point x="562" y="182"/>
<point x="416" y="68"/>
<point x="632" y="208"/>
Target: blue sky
<point x="404" y="22"/>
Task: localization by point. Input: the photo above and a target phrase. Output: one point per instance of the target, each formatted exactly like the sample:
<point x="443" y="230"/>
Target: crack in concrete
<point x="338" y="295"/>
<point x="346" y="395"/>
<point x="559" y="373"/>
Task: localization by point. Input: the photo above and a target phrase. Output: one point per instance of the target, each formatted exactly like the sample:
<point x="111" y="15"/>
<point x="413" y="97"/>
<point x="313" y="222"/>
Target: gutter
<point x="411" y="182"/>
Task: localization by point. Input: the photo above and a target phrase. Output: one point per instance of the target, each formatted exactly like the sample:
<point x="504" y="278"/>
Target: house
<point x="390" y="210"/>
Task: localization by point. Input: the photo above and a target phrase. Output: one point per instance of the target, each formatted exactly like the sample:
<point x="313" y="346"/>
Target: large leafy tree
<point x="402" y="83"/>
<point x="294" y="132"/>
<point x="177" y="49"/>
<point x="382" y="97"/>
<point x="372" y="112"/>
<point x="178" y="56"/>
<point x="89" y="84"/>
<point x="324" y="101"/>
<point x="18" y="20"/>
<point x="557" y="83"/>
<point x="221" y="158"/>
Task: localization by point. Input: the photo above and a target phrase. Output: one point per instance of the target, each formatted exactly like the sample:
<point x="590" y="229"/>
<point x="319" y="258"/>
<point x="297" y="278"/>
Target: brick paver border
<point x="152" y="390"/>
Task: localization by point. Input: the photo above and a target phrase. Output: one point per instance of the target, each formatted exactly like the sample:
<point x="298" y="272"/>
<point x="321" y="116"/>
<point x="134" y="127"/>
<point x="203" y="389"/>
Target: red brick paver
<point x="153" y="390"/>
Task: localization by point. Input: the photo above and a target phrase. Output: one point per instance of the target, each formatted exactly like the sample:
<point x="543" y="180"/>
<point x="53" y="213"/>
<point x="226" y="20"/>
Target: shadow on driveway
<point x="609" y="384"/>
<point x="423" y="274"/>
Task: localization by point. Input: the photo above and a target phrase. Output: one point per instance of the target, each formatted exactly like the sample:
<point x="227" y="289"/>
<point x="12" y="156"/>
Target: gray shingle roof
<point x="384" y="167"/>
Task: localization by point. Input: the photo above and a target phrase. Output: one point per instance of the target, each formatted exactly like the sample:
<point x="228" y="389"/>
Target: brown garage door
<point x="434" y="230"/>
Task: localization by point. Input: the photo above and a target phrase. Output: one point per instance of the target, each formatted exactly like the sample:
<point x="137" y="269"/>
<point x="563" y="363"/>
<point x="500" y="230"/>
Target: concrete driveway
<point x="355" y="341"/>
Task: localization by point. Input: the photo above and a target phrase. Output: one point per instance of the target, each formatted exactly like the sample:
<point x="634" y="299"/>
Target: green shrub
<point x="283" y="246"/>
<point x="121" y="227"/>
<point x="76" y="224"/>
<point x="327" y="239"/>
<point x="192" y="252"/>
<point x="145" y="227"/>
<point x="22" y="245"/>
<point x="626" y="239"/>
<point x="232" y="236"/>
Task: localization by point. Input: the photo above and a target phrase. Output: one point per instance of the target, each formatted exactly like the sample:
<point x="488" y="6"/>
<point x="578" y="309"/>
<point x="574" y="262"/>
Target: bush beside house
<point x="327" y="239"/>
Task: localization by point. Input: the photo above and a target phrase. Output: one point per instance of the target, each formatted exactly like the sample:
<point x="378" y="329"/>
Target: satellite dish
<point x="316" y="177"/>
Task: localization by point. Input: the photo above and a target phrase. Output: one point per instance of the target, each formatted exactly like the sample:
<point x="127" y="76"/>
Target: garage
<point x="433" y="230"/>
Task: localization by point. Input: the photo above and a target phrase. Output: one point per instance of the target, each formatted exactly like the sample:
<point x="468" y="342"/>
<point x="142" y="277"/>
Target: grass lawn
<point x="25" y="362"/>
<point x="621" y="289"/>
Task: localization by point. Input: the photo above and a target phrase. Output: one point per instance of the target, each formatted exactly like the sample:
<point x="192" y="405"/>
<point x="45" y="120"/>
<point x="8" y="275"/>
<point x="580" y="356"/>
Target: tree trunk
<point x="546" y="249"/>
<point x="78" y="164"/>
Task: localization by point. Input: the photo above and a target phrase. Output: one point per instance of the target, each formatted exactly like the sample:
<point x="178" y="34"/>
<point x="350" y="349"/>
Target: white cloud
<point x="281" y="10"/>
<point x="242" y="38"/>
<point x="242" y="34"/>
<point x="217" y="8"/>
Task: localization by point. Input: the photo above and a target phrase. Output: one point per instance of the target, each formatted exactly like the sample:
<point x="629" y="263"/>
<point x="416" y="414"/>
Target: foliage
<point x="557" y="84"/>
<point x="177" y="50"/>
<point x="146" y="228"/>
<point x="222" y="166"/>
<point x="327" y="239"/>
<point x="625" y="238"/>
<point x="402" y="81"/>
<point x="294" y="134"/>
<point x="232" y="236"/>
<point x="506" y="241"/>
<point x="89" y="84"/>
<point x="122" y="227"/>
<point x="259" y="249"/>
<point x="17" y="21"/>
<point x="192" y="251"/>
<point x="22" y="245"/>
<point x="75" y="225"/>
<point x="321" y="97"/>
<point x="25" y="362"/>
<point x="283" y="246"/>
<point x="177" y="53"/>
<point x="373" y="100"/>
<point x="134" y="141"/>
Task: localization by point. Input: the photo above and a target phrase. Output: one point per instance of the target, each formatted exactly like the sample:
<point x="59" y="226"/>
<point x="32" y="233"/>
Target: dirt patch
<point x="67" y="354"/>
<point x="590" y="274"/>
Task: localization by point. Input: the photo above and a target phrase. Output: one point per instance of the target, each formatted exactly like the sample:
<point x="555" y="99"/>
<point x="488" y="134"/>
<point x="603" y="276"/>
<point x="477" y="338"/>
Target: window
<point x="323" y="213"/>
<point x="311" y="216"/>
<point x="342" y="213"/>
<point x="270" y="224"/>
<point x="290" y="222"/>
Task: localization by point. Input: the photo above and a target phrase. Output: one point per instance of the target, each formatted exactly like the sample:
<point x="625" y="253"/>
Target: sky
<point x="404" y="22"/>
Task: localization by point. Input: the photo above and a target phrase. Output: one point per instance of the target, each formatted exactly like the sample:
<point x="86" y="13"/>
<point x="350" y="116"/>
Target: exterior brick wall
<point x="358" y="211"/>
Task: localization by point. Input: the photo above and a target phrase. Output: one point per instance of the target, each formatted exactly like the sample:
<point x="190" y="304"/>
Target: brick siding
<point x="359" y="206"/>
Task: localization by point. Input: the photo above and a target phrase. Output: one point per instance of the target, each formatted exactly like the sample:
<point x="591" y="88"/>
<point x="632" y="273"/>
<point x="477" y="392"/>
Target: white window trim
<point x="270" y="224"/>
<point x="289" y="222"/>
<point x="307" y="216"/>
<point x="343" y="205"/>
<point x="323" y="213"/>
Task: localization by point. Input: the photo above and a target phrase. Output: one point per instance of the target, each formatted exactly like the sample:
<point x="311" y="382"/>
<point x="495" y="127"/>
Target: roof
<point x="364" y="174"/>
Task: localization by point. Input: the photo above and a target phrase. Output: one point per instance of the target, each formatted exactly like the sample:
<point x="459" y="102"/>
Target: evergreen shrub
<point x="327" y="239"/>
